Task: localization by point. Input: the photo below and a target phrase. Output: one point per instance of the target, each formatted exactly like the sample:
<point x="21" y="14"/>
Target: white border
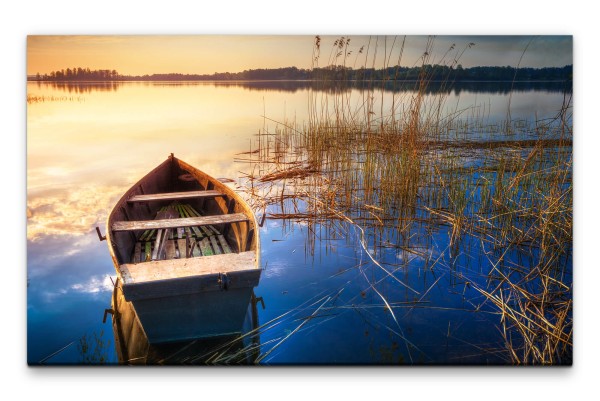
<point x="19" y="19"/>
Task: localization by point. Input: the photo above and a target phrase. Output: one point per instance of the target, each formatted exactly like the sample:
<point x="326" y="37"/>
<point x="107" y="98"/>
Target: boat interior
<point x="179" y="212"/>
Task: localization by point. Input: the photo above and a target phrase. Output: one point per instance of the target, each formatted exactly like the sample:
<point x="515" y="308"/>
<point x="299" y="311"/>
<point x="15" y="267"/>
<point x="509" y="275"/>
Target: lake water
<point x="88" y="143"/>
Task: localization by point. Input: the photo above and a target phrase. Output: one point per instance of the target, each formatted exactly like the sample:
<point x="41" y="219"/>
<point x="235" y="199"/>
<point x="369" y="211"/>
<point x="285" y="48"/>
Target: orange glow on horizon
<point x="140" y="55"/>
<point x="207" y="54"/>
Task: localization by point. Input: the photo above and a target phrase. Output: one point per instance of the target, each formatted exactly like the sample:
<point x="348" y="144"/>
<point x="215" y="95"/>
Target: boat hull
<point x="186" y="298"/>
<point x="193" y="316"/>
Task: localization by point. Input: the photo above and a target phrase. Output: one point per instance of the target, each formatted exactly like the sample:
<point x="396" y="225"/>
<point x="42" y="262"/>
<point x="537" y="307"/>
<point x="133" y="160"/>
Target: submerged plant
<point x="94" y="350"/>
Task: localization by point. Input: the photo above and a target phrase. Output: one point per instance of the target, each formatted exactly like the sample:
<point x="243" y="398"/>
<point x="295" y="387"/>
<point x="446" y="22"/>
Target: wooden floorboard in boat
<point x="205" y="247"/>
<point x="224" y="244"/>
<point x="215" y="246"/>
<point x="170" y="249"/>
<point x="137" y="252"/>
<point x="183" y="250"/>
<point x="196" y="248"/>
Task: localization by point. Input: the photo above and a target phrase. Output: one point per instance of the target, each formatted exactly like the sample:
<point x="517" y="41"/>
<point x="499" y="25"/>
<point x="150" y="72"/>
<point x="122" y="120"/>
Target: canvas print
<point x="299" y="200"/>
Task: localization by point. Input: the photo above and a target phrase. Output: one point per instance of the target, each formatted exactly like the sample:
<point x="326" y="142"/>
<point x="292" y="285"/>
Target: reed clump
<point x="500" y="193"/>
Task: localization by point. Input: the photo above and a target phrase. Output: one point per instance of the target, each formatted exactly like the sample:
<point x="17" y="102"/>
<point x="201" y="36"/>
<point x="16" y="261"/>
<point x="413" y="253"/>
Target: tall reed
<point x="404" y="171"/>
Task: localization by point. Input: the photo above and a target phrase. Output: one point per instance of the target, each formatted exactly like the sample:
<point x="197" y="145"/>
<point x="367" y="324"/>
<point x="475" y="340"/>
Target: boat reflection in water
<point x="133" y="348"/>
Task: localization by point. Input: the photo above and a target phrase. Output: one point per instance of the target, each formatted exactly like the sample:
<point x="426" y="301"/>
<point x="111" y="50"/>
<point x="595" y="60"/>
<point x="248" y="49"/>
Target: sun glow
<point x="207" y="54"/>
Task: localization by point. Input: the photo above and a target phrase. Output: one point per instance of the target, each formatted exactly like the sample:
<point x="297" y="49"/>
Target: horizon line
<point x="301" y="69"/>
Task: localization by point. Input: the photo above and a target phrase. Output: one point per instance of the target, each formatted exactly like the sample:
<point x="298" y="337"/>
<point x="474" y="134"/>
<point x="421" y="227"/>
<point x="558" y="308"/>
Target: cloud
<point x="53" y="292"/>
<point x="94" y="285"/>
<point x="68" y="212"/>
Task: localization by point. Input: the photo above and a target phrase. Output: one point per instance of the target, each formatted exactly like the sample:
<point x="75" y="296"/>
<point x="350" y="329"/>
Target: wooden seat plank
<point x="175" y="196"/>
<point x="181" y="268"/>
<point x="181" y="222"/>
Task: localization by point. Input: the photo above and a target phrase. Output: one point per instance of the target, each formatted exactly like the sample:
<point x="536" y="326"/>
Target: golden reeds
<point x="402" y="174"/>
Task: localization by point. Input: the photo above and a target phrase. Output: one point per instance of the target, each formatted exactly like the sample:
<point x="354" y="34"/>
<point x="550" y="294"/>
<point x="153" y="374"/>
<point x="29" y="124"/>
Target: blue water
<point x="323" y="305"/>
<point x="66" y="297"/>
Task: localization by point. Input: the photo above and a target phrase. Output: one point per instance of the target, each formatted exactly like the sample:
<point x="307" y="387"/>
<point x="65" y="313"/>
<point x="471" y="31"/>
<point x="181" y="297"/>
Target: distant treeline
<point x="429" y="72"/>
<point x="79" y="74"/>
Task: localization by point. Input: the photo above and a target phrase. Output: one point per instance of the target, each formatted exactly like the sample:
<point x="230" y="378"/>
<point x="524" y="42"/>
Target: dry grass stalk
<point x="410" y="173"/>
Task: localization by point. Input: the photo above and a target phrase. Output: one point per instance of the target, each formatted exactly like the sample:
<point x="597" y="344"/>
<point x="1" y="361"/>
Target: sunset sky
<point x="139" y="55"/>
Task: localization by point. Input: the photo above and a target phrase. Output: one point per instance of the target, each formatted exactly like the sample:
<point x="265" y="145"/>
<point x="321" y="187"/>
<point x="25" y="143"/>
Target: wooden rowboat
<point x="186" y="250"/>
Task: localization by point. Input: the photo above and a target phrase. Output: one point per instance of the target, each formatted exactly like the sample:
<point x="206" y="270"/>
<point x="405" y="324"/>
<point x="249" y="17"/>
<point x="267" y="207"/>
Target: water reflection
<point x="70" y="212"/>
<point x="83" y="155"/>
<point x="133" y="348"/>
<point x="68" y="285"/>
<point x="455" y="88"/>
<point x="81" y="87"/>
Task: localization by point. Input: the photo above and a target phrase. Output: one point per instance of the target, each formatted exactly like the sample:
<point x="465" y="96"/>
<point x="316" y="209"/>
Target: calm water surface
<point x="87" y="144"/>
